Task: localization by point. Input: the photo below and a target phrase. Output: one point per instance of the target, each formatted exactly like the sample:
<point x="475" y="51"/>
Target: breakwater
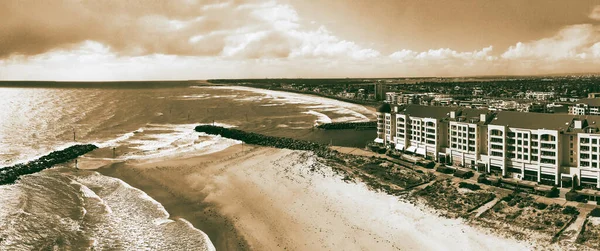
<point x="9" y="175"/>
<point x="348" y="125"/>
<point x="264" y="140"/>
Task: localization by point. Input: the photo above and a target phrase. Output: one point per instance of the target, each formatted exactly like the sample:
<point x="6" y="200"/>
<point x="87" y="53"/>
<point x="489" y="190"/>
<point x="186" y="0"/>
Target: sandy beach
<point x="275" y="199"/>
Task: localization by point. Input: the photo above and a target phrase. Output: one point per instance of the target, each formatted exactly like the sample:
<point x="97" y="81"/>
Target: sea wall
<point x="9" y="175"/>
<point x="264" y="140"/>
<point x="348" y="125"/>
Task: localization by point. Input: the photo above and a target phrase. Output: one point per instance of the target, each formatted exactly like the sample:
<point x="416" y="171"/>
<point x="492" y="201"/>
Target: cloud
<point x="246" y="29"/>
<point x="595" y="14"/>
<point x="571" y="43"/>
<point x="256" y="38"/>
<point x="443" y="54"/>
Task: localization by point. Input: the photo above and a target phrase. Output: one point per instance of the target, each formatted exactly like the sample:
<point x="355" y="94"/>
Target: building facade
<point x="545" y="148"/>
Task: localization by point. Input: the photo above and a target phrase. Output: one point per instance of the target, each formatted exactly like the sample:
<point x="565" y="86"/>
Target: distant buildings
<point x="545" y="148"/>
<point x="540" y="95"/>
<point x="586" y="106"/>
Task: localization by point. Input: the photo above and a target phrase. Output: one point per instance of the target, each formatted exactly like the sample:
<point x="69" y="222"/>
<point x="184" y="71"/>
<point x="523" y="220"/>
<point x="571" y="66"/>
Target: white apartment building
<point x="422" y="130"/>
<point x="528" y="146"/>
<point x="586" y="106"/>
<point x="545" y="148"/>
<point x="467" y="134"/>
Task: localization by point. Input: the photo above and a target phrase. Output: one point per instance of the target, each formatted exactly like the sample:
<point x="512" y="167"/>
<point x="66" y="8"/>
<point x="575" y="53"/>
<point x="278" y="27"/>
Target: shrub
<point x="482" y="179"/>
<point x="595" y="212"/>
<point x="470" y="186"/>
<point x="559" y="223"/>
<point x="541" y="206"/>
<point x="572" y="196"/>
<point x="554" y="192"/>
<point x="570" y="210"/>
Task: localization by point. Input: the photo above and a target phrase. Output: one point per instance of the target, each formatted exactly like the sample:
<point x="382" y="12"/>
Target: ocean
<point x="67" y="209"/>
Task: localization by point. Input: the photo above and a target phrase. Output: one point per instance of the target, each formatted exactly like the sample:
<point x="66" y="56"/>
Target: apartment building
<point x="467" y="137"/>
<point x="586" y="106"/>
<point x="545" y="148"/>
<point x="528" y="145"/>
<point x="422" y="129"/>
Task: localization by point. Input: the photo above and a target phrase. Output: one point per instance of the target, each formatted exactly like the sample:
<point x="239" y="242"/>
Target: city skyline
<point x="135" y="40"/>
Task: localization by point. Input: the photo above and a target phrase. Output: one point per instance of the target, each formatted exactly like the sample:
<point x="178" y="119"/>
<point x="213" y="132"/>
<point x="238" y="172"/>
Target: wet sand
<point x="164" y="181"/>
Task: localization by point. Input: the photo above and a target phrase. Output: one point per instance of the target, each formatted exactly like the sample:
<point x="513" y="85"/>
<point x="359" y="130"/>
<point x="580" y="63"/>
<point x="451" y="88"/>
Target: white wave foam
<point x="321" y="118"/>
<point x="170" y="140"/>
<point x="210" y="246"/>
<point x="124" y="137"/>
<point x="137" y="219"/>
<point x="315" y="103"/>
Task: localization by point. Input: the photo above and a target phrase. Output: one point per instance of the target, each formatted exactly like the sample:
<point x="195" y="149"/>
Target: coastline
<point x="163" y="181"/>
<point x="267" y="198"/>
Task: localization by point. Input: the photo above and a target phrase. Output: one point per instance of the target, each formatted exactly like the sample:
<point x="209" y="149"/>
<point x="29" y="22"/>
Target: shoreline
<point x="266" y="198"/>
<point x="161" y="181"/>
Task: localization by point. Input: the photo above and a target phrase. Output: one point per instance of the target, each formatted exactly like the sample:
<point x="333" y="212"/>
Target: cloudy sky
<point x="201" y="39"/>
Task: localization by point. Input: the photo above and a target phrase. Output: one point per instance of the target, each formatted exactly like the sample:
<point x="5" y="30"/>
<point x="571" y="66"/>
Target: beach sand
<point x="277" y="199"/>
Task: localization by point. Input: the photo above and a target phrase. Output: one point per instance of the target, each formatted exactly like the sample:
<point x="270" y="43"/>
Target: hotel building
<point x="545" y="148"/>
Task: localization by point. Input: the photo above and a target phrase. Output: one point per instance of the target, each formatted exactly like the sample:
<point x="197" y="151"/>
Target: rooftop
<point x="530" y="120"/>
<point x="437" y="112"/>
<point x="589" y="101"/>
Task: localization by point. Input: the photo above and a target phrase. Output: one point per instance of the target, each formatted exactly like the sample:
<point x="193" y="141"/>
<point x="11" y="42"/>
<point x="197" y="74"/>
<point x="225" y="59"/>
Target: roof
<point x="437" y="112"/>
<point x="589" y="101"/>
<point x="529" y="120"/>
<point x="384" y="108"/>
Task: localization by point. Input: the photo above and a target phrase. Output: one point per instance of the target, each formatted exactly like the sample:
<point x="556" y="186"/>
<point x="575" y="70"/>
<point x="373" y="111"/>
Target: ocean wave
<point x="315" y="103"/>
<point x="135" y="220"/>
<point x="156" y="141"/>
<point x="321" y="118"/>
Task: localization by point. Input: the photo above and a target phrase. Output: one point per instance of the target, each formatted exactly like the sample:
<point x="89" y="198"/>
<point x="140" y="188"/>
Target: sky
<point x="78" y="40"/>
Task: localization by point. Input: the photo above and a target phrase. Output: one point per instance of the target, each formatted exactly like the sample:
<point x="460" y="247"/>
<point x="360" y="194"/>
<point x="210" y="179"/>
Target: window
<point x="584" y="163"/>
<point x="471" y="149"/>
<point x="497" y="147"/>
<point x="511" y="155"/>
<point x="525" y="135"/>
<point x="534" y="136"/>
<point x="594" y="141"/>
<point x="585" y="148"/>
<point x="585" y="140"/>
<point x="511" y="134"/>
<point x="534" y="158"/>
<point x="534" y="143"/>
<point x="497" y="154"/>
<point x="548" y="146"/>
<point x="584" y="156"/>
<point x="496" y="132"/>
<point x="548" y="161"/>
